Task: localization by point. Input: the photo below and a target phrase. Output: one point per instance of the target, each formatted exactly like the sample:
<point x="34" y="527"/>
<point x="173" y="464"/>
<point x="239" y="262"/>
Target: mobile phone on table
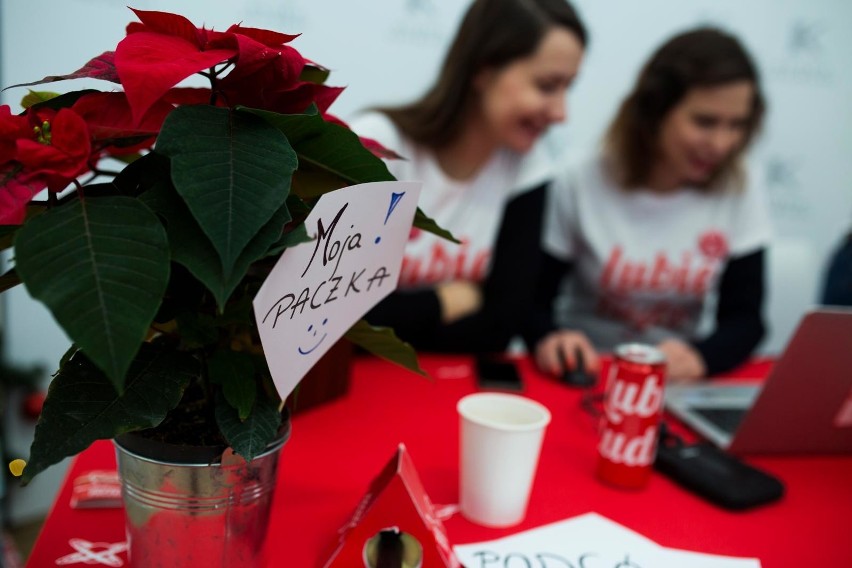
<point x="496" y="372"/>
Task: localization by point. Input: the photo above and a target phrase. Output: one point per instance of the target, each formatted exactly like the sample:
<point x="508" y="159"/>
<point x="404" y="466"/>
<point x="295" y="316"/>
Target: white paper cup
<point x="501" y="437"/>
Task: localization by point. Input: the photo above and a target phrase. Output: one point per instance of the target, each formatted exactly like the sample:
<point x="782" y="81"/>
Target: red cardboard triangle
<point x="395" y="501"/>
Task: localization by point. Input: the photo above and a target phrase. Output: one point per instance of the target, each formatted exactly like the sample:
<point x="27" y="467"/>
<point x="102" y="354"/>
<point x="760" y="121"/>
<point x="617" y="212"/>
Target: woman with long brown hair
<point x="665" y="217"/>
<point x="474" y="141"/>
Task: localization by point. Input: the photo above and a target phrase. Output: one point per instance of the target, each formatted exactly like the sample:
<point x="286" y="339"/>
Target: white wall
<point x="389" y="51"/>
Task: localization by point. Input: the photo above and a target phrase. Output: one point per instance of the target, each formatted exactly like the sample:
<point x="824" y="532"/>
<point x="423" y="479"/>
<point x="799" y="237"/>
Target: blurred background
<point x="388" y="51"/>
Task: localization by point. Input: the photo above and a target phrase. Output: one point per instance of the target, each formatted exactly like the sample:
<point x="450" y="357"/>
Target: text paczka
<point x="627" y="399"/>
<point x="318" y="289"/>
<point x="321" y="296"/>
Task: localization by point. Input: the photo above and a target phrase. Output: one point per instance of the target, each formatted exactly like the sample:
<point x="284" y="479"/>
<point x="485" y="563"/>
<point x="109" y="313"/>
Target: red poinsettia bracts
<point x="58" y="149"/>
<point x="177" y="237"/>
<point x="46" y="148"/>
<point x="159" y="53"/>
<point x="112" y="127"/>
<point x="262" y="74"/>
<point x="42" y="149"/>
<point x="163" y="49"/>
<point x="12" y="127"/>
<point x="251" y="67"/>
<point x="15" y="191"/>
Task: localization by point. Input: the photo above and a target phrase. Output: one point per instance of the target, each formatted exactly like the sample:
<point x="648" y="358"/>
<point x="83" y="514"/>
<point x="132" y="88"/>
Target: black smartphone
<point x="716" y="475"/>
<point x="495" y="372"/>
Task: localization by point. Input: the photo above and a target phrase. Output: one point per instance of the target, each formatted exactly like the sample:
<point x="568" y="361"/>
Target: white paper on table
<point x="318" y="290"/>
<point x="587" y="541"/>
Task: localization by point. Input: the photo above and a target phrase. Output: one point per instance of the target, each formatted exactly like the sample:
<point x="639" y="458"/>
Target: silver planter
<point x="198" y="513"/>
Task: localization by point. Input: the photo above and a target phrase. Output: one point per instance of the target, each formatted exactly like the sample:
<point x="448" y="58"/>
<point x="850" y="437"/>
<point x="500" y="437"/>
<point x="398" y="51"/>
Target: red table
<point x="337" y="449"/>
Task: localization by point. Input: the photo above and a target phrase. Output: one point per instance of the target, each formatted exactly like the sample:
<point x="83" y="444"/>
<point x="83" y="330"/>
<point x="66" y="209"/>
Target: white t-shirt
<point x="472" y="210"/>
<point x="645" y="262"/>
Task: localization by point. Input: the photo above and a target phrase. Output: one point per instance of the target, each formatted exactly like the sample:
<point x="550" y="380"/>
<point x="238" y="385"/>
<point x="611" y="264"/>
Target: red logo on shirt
<point x="675" y="286"/>
<point x="713" y="244"/>
<point x="444" y="262"/>
<point x="686" y="276"/>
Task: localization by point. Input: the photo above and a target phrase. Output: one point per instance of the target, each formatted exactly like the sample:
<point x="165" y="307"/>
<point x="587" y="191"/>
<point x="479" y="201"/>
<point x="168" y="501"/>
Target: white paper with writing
<point x="317" y="290"/>
<point x="587" y="541"/>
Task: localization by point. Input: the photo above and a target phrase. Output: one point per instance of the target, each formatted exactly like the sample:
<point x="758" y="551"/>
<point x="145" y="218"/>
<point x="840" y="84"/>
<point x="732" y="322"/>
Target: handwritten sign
<point x="587" y="541"/>
<point x="318" y="290"/>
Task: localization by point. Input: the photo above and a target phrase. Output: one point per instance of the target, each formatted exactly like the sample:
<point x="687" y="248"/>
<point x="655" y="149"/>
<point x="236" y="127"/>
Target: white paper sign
<point x="586" y="541"/>
<point x="318" y="290"/>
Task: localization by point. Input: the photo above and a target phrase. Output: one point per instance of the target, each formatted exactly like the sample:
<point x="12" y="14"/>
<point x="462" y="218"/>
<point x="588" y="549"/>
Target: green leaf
<point x="298" y="208"/>
<point x="232" y="169"/>
<point x="72" y="349"/>
<point x="383" y="342"/>
<point x="10" y="279"/>
<point x="82" y="406"/>
<point x="329" y="151"/>
<point x="423" y="221"/>
<point x="331" y="157"/>
<point x="196" y="329"/>
<point x="295" y="237"/>
<point x="143" y="173"/>
<point x="191" y="248"/>
<point x="234" y="370"/>
<point x="314" y="74"/>
<point x="7" y="233"/>
<point x="250" y="437"/>
<point x="101" y="266"/>
<point x="311" y="181"/>
<point x="238" y="312"/>
<point x="64" y="100"/>
<point x="36" y="97"/>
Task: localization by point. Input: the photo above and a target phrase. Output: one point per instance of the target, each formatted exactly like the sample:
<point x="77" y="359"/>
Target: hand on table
<point x="565" y="343"/>
<point x="458" y="299"/>
<point x="684" y="363"/>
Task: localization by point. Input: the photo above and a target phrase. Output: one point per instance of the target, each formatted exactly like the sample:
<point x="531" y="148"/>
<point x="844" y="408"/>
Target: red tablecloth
<point x="337" y="449"/>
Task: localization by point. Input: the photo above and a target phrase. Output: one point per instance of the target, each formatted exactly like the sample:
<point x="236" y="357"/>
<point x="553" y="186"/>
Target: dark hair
<point x="704" y="57"/>
<point x="492" y="34"/>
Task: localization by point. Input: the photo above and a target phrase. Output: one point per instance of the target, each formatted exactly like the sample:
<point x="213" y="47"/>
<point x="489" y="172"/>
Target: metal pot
<point x="186" y="511"/>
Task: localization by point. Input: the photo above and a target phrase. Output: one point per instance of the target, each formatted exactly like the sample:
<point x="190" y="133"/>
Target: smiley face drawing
<point x="313" y="331"/>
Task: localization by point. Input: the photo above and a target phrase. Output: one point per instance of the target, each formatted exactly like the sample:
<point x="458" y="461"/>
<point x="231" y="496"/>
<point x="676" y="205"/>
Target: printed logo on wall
<point x="419" y="23"/>
<point x="786" y="198"/>
<point x="802" y="58"/>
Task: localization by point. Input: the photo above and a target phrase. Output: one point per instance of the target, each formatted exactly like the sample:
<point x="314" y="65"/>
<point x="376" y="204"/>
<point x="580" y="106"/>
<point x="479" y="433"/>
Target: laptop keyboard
<point x="726" y="419"/>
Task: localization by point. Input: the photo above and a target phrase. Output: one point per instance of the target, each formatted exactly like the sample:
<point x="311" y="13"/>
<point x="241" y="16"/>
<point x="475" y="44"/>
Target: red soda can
<point x="633" y="406"/>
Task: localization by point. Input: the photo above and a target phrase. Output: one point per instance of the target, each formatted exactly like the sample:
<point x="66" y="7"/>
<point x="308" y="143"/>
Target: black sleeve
<point x="739" y="323"/>
<point x="414" y="315"/>
<point x="837" y="289"/>
<point x="508" y="291"/>
<point x="540" y="320"/>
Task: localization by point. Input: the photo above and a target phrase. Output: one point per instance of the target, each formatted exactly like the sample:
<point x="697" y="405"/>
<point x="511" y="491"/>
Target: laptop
<point x="803" y="406"/>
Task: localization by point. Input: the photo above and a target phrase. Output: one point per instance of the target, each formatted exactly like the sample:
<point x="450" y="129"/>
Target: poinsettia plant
<point x="146" y="218"/>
